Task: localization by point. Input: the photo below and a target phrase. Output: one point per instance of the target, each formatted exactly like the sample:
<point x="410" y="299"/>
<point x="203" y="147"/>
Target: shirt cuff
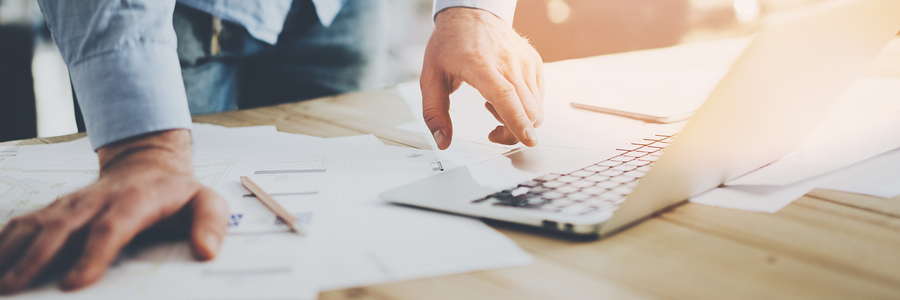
<point x="505" y="9"/>
<point x="130" y="92"/>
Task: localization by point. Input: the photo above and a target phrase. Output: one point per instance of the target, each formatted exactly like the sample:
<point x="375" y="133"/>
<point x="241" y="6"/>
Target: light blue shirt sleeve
<point x="505" y="9"/>
<point x="122" y="56"/>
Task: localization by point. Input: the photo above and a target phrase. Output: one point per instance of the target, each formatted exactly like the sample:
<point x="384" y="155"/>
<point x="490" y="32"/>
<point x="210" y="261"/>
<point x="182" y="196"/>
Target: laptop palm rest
<point x="452" y="189"/>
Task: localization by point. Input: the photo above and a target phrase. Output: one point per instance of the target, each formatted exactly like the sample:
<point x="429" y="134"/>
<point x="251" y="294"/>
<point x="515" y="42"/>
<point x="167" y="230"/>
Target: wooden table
<point x="825" y="245"/>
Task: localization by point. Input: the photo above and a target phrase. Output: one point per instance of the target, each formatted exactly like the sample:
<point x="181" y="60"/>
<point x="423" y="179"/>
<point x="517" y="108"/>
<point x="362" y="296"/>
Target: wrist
<point x="167" y="149"/>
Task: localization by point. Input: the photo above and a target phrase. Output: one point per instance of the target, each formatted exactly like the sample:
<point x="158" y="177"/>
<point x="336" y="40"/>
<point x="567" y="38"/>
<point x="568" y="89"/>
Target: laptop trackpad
<point x="478" y="180"/>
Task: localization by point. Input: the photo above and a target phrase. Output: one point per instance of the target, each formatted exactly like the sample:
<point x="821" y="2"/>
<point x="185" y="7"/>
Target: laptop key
<point x="582" y="173"/>
<point x="624" y="168"/>
<point x="621" y="159"/>
<point x="567" y="189"/>
<point x="608" y="184"/>
<point x="518" y="191"/>
<point x="538" y="190"/>
<point x="568" y="179"/>
<point x="636" y="174"/>
<point x="650" y="158"/>
<point x="596" y="168"/>
<point x="552" y="195"/>
<point x="537" y="201"/>
<point x="583" y="183"/>
<point x="638" y="163"/>
<point x="594" y="201"/>
<point x="578" y="196"/>
<point x="622" y="179"/>
<point x="622" y="190"/>
<point x="530" y="184"/>
<point x="605" y="205"/>
<point x="503" y="195"/>
<point x="593" y="190"/>
<point x="611" y="173"/>
<point x="558" y="203"/>
<point x="553" y="184"/>
<point x="646" y="149"/>
<point x="597" y="178"/>
<point x="608" y="163"/>
<point x="635" y="154"/>
<point x="520" y="200"/>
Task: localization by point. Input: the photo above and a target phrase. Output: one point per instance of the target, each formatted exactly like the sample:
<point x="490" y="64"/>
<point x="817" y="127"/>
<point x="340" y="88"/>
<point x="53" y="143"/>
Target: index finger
<point x="503" y="95"/>
<point x="106" y="238"/>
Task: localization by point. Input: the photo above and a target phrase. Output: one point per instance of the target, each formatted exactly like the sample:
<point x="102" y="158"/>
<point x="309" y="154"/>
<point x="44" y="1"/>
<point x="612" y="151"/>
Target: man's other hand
<point x="143" y="182"/>
<point x="475" y="46"/>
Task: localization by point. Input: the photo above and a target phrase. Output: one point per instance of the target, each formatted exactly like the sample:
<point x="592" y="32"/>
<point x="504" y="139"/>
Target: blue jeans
<point x="308" y="61"/>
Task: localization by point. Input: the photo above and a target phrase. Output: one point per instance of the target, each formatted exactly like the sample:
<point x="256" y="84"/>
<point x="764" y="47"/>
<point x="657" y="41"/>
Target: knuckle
<point x="535" y="55"/>
<point x="103" y="228"/>
<point x="528" y="68"/>
<point x="131" y="192"/>
<point x="505" y="90"/>
<point x="479" y="61"/>
<point x="475" y="56"/>
<point x="534" y="112"/>
<point x="28" y="262"/>
<point x="31" y="219"/>
<point x="54" y="224"/>
<point x="431" y="114"/>
<point x="521" y="118"/>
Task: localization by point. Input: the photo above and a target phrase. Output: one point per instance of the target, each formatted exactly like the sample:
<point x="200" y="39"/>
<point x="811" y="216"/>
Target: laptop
<point x="780" y="88"/>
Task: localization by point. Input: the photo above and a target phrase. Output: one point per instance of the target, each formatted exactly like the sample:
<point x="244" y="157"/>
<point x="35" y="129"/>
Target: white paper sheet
<point x="761" y="198"/>
<point x="865" y="123"/>
<point x="380" y="243"/>
<point x="76" y="147"/>
<point x="356" y="240"/>
<point x="248" y="266"/>
<point x="878" y="176"/>
<point x="372" y="242"/>
<point x="303" y="184"/>
<point x="660" y="92"/>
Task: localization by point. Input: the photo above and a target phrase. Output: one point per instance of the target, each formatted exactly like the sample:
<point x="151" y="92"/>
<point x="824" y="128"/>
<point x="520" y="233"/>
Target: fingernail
<point x="438" y="137"/>
<point x="531" y="136"/>
<point x="212" y="243"/>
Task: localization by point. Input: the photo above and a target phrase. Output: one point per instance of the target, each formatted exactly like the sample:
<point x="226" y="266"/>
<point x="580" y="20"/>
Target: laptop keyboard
<point x="599" y="187"/>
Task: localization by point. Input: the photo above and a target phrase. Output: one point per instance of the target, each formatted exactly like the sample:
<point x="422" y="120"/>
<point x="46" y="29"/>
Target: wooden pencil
<point x="276" y="208"/>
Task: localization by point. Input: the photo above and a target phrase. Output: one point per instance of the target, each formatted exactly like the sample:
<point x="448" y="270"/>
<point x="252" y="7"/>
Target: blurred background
<point x="36" y="96"/>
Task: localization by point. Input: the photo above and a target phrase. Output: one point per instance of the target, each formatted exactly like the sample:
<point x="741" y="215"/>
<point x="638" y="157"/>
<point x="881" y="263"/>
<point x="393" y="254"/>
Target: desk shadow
<point x="542" y="232"/>
<point x="75" y="246"/>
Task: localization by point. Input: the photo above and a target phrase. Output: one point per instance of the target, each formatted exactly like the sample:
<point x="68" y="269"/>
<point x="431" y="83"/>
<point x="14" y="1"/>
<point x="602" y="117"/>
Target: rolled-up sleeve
<point x="505" y="9"/>
<point x="122" y="56"/>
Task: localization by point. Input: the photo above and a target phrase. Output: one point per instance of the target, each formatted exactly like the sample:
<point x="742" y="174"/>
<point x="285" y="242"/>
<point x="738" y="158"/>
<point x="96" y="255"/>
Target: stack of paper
<point x="330" y="184"/>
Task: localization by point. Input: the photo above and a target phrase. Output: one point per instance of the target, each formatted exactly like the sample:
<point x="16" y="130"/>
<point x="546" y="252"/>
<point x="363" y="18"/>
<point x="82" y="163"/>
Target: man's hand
<point x="477" y="47"/>
<point x="142" y="182"/>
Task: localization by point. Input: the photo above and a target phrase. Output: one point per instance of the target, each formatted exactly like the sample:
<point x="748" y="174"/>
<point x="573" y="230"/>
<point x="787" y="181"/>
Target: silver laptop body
<point x="781" y="87"/>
